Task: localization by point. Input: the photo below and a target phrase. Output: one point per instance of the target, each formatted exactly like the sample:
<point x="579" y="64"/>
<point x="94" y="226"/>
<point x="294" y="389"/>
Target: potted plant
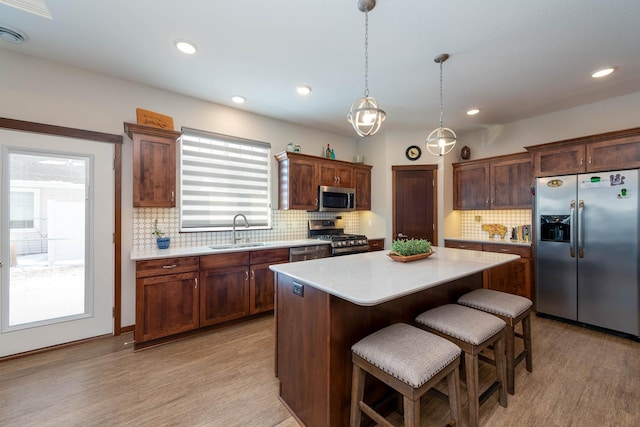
<point x="410" y="250"/>
<point x="163" y="242"/>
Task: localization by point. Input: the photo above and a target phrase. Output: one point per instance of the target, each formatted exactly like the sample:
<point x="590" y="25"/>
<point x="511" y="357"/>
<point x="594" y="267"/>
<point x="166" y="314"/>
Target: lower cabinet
<point x="376" y="245"/>
<point x="166" y="298"/>
<point x="514" y="278"/>
<point x="177" y="295"/>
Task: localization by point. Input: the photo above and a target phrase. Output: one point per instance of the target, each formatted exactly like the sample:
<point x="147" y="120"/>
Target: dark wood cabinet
<point x="262" y="288"/>
<point x="376" y="245"/>
<point x="299" y="176"/>
<point x="471" y="188"/>
<point x="502" y="182"/>
<point x="154" y="165"/>
<point x="224" y="287"/>
<point x="167" y="297"/>
<point x="515" y="277"/>
<point x="362" y="178"/>
<point x="595" y="153"/>
<point x="335" y="174"/>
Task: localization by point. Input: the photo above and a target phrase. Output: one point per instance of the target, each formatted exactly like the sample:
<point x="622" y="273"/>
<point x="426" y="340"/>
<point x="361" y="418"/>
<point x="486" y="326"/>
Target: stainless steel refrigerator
<point x="587" y="265"/>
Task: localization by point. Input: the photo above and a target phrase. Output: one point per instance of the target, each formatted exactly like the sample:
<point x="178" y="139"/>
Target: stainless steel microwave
<point x="336" y="199"/>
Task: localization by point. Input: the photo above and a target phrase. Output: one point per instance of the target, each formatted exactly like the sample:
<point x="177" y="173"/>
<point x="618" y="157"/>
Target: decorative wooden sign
<point x="157" y="120"/>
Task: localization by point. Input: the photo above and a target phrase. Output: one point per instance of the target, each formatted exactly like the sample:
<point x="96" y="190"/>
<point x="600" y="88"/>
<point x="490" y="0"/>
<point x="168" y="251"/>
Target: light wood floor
<point x="225" y="378"/>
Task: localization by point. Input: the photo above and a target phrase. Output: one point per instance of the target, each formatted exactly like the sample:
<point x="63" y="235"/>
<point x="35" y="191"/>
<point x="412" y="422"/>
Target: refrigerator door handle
<point x="580" y="229"/>
<point x="572" y="231"/>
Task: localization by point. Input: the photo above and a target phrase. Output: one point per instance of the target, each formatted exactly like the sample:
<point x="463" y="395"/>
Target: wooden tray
<point x="400" y="258"/>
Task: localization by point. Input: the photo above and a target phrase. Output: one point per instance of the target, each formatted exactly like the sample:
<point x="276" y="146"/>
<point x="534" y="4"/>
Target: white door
<point x="56" y="240"/>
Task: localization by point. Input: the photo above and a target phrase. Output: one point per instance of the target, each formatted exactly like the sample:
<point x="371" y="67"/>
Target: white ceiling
<point x="513" y="59"/>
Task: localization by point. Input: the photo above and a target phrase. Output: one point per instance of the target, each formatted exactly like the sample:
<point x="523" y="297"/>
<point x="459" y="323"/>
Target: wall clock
<point x="413" y="152"/>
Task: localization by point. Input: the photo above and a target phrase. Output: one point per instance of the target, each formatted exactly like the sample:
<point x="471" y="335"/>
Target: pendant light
<point x="441" y="140"/>
<point x="365" y="116"/>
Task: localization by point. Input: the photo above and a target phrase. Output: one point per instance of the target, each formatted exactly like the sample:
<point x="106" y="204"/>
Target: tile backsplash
<point x="286" y="225"/>
<point x="472" y="228"/>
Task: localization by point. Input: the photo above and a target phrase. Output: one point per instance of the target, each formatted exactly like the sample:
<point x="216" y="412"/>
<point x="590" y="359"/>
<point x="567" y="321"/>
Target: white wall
<point x="46" y="92"/>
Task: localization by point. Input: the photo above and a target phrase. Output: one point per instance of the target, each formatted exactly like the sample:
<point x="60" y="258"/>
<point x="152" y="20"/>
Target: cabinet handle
<point x="196" y="279"/>
<point x="253" y="274"/>
<point x="486" y="202"/>
<point x="504" y="250"/>
<point x="462" y="246"/>
<point x="246" y="275"/>
<point x="590" y="162"/>
<point x="173" y="196"/>
<point x="581" y="162"/>
<point x="169" y="266"/>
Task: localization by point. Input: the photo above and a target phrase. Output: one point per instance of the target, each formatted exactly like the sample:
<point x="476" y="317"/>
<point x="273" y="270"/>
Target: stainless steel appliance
<point x="333" y="231"/>
<point x="336" y="199"/>
<point x="587" y="249"/>
<point x="304" y="253"/>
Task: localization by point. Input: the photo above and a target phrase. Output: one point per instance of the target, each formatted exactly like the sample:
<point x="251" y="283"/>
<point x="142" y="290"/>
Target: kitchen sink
<point x="239" y="245"/>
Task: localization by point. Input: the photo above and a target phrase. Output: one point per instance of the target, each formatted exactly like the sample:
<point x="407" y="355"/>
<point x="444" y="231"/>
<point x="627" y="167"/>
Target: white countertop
<point x="171" y="252"/>
<point x="372" y="278"/>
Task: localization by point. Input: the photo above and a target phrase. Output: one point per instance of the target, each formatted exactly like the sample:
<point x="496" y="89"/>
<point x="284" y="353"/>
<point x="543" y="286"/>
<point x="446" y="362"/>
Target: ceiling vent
<point x="12" y="35"/>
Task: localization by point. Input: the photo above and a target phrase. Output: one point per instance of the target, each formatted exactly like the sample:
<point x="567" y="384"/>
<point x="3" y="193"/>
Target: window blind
<point x="222" y="176"/>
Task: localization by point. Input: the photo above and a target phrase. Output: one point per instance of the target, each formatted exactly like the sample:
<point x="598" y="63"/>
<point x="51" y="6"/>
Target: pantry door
<point x="57" y="225"/>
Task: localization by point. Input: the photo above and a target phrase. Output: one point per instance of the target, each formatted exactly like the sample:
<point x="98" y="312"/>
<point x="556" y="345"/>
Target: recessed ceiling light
<point x="473" y="112"/>
<point x="186" y="47"/>
<point x="602" y="72"/>
<point x="303" y="90"/>
<point x="238" y="99"/>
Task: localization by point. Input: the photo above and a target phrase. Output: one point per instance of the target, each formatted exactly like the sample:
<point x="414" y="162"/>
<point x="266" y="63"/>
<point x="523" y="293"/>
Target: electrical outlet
<point x="298" y="289"/>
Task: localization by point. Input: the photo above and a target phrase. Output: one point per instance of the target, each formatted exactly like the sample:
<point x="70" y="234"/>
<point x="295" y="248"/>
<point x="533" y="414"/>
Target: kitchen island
<point x="324" y="306"/>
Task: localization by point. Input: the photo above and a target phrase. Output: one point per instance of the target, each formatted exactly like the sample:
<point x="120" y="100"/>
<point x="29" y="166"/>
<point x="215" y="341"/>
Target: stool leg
<point x="510" y="343"/>
<point x="357" y="394"/>
<point x="471" y="368"/>
<point x="411" y="412"/>
<point x="526" y="332"/>
<point x="501" y="370"/>
<point x="453" y="382"/>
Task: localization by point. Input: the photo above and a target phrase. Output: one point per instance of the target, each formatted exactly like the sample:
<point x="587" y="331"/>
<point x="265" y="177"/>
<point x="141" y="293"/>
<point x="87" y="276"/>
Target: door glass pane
<point x="47" y="211"/>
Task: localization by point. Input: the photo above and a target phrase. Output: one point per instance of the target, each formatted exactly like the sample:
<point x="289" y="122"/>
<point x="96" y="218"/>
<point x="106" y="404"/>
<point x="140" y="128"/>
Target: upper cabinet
<point x="595" y="153"/>
<point x="502" y="182"/>
<point x="299" y="176"/>
<point x="154" y="165"/>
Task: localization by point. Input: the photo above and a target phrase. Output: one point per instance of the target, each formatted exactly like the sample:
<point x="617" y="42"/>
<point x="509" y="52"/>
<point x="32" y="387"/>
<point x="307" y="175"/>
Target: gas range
<point x="333" y="231"/>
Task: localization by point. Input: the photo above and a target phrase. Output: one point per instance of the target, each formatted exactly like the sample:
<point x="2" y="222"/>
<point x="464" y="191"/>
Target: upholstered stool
<point x="472" y="331"/>
<point x="513" y="309"/>
<point x="409" y="360"/>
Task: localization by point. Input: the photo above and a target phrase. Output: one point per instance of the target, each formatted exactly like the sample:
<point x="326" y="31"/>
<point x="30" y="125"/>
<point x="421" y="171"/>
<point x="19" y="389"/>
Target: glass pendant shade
<point x="441" y="141"/>
<point x="365" y="116"/>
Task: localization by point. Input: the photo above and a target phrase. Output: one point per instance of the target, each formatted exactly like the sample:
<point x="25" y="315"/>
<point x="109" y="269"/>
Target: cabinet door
<point x="618" y="154"/>
<point x="471" y="186"/>
<point x="224" y="294"/>
<point x="262" y="289"/>
<point x="376" y="245"/>
<point x="559" y="160"/>
<point x="511" y="184"/>
<point x="166" y="305"/>
<point x="514" y="278"/>
<point x="300" y="188"/>
<point x="336" y="175"/>
<point x="362" y="178"/>
<point x="154" y="166"/>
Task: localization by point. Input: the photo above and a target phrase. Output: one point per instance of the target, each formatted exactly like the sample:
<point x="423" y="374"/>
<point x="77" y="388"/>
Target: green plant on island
<point x="156" y="231"/>
<point x="410" y="247"/>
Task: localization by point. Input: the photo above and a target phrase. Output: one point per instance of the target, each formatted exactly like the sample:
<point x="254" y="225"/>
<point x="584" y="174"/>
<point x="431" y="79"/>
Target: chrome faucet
<point x="246" y="225"/>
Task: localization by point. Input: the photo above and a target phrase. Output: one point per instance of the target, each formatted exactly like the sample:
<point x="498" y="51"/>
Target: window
<point x="22" y="209"/>
<point x="222" y="176"/>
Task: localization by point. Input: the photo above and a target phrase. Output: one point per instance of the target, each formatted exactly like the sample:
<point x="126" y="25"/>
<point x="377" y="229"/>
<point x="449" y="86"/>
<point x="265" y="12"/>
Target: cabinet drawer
<point x="474" y="246"/>
<point x="231" y="259"/>
<point x="161" y="267"/>
<point x="376" y="245"/>
<point x="523" y="251"/>
<point x="269" y="255"/>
